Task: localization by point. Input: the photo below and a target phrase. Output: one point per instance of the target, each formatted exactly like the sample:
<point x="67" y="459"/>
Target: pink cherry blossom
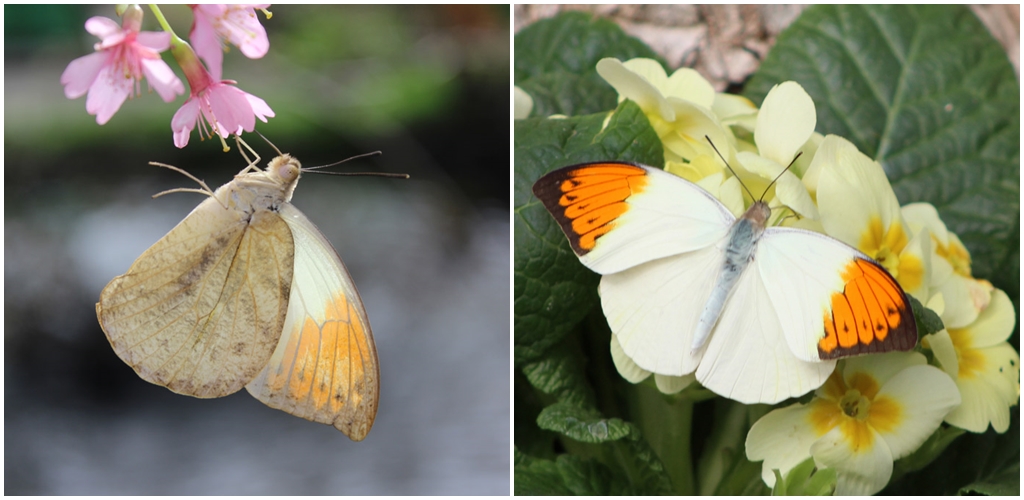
<point x="219" y="108"/>
<point x="237" y="24"/>
<point x="114" y="72"/>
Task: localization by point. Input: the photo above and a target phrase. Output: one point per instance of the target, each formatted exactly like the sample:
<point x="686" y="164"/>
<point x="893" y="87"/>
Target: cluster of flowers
<point x="873" y="409"/>
<point x="125" y="55"/>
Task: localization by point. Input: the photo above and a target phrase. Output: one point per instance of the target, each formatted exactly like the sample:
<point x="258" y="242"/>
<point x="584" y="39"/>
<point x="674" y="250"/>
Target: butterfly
<point x="760" y="314"/>
<point x="247" y="292"/>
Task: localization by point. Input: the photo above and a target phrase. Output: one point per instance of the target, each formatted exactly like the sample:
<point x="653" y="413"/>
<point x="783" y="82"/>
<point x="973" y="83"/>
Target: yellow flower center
<point x="956" y="255"/>
<point x="855" y="407"/>
<point x="886" y="246"/>
<point x="971" y="360"/>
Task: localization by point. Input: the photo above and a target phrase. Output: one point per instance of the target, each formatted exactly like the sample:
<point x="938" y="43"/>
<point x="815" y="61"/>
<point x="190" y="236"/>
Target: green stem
<point x="666" y="423"/>
<point x="162" y="20"/>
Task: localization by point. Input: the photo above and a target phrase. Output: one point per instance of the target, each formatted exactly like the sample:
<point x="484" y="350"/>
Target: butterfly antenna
<point x="279" y="153"/>
<point x="730" y="168"/>
<point x="315" y="170"/>
<point x="784" y="170"/>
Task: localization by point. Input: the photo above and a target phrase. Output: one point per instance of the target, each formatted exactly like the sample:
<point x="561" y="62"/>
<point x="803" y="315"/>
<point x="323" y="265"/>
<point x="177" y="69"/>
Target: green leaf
<point x="927" y="321"/>
<point x="559" y="372"/>
<point x="1004" y="483"/>
<point x="927" y="92"/>
<point x="581" y="424"/>
<point x="556" y="60"/>
<point x="630" y="466"/>
<point x="539" y="477"/>
<point x="552" y="290"/>
<point x="805" y="480"/>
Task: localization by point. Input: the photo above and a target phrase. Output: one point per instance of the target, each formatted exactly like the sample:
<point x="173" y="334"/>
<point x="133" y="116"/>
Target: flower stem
<point x="666" y="422"/>
<point x="162" y="20"/>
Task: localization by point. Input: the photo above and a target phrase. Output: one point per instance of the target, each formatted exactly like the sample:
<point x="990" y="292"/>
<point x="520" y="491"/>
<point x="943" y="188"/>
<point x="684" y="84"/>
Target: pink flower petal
<point x="231" y="108"/>
<point x="107" y="94"/>
<point x="207" y="45"/>
<point x="158" y="41"/>
<point x="259" y="107"/>
<point x="80" y="74"/>
<point x="184" y="121"/>
<point x="247" y="33"/>
<point x="102" y="27"/>
<point x="162" y="79"/>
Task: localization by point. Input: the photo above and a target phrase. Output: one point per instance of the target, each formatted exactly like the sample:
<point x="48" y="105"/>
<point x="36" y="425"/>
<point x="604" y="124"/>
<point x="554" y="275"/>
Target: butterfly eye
<point x="287" y="169"/>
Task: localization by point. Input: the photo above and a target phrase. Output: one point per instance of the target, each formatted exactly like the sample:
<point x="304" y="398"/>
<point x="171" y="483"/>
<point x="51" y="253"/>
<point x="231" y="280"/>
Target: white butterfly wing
<point x="325" y="366"/>
<point x="747" y="358"/>
<point x="617" y="215"/>
<point x="653" y="308"/>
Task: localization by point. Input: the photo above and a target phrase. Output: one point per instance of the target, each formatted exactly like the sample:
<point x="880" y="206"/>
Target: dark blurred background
<point x="426" y="85"/>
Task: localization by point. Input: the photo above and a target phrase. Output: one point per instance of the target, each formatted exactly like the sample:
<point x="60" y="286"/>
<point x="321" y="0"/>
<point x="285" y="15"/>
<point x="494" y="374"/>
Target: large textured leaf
<point x="634" y="469"/>
<point x="552" y="290"/>
<point x="556" y="60"/>
<point x="929" y="93"/>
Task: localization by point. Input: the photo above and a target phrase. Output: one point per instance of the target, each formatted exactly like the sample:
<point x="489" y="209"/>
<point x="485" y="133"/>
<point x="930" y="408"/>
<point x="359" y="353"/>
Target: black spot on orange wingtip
<point x="903" y="337"/>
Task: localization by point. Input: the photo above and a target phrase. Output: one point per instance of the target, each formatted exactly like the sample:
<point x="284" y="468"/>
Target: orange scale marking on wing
<point x="871" y="314"/>
<point x="586" y="200"/>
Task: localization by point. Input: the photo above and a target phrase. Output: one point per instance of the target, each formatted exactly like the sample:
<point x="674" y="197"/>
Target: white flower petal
<point x="924" y="395"/>
<point x="626" y="367"/>
<point x="855" y="199"/>
<point x="785" y="122"/>
<point x="960" y="310"/>
<point x="882" y="367"/>
<point x="782" y="438"/>
<point x="994" y="324"/>
<point x="523" y="103"/>
<point x="669" y="384"/>
<point x="944" y="352"/>
<point x="864" y="472"/>
<point x="788" y="189"/>
<point x="918" y="249"/>
<point x="987" y="397"/>
<point x="692" y="128"/>
<point x="735" y="110"/>
<point x="688" y="84"/>
<point x="634" y="87"/>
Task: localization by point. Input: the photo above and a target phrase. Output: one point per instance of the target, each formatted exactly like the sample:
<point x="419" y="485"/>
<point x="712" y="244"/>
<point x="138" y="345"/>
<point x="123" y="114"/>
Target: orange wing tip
<point x="871" y="314"/>
<point x="587" y="199"/>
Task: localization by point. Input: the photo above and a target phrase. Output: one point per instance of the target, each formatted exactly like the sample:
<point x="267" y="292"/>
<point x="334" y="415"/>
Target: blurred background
<point x="427" y="86"/>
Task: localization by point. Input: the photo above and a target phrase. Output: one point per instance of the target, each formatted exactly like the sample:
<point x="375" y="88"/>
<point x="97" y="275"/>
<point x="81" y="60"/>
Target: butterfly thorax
<point x="262" y="189"/>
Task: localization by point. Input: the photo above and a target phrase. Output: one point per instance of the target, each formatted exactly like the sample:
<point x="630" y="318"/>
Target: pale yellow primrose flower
<point x="984" y="366"/>
<point x="871" y="411"/>
<point x="522" y="102"/>
<point x="784" y="125"/>
<point x="857" y="206"/>
<point x="678" y="106"/>
<point x="963" y="295"/>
